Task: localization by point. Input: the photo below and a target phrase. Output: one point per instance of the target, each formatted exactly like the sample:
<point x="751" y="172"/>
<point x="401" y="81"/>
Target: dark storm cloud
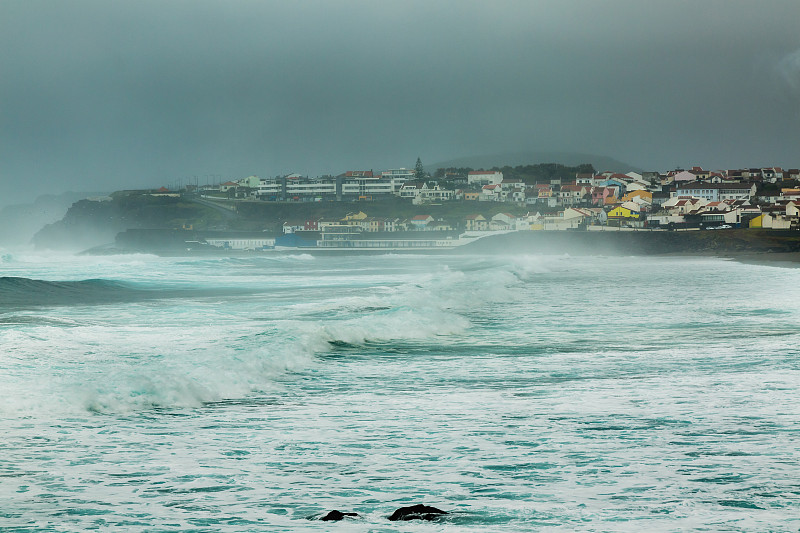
<point x="123" y="94"/>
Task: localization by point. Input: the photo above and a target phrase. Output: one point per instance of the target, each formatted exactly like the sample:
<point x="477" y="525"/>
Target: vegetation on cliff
<point x="90" y="222"/>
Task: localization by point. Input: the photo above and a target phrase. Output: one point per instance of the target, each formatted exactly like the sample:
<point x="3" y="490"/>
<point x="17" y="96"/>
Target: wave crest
<point x="18" y="291"/>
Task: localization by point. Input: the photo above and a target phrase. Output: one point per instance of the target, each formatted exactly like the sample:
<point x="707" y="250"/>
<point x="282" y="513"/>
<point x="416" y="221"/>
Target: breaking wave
<point x="187" y="352"/>
<point x="19" y="292"/>
<point x="23" y="292"/>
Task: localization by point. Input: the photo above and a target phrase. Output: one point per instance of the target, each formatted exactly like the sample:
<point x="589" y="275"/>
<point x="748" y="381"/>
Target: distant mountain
<point x="600" y="163"/>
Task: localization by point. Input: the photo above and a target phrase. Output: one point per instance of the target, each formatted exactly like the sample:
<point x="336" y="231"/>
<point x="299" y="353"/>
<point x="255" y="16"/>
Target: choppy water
<point x="521" y="393"/>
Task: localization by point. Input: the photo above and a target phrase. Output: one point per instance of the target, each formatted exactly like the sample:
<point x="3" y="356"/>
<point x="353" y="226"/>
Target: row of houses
<point x="680" y="198"/>
<point x="678" y="212"/>
<point x="294" y="187"/>
<point x="591" y="189"/>
<point x="768" y="174"/>
<point x="699" y="212"/>
<point x="361" y="222"/>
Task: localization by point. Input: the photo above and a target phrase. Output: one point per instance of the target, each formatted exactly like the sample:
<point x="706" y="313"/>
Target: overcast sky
<point x="101" y="95"/>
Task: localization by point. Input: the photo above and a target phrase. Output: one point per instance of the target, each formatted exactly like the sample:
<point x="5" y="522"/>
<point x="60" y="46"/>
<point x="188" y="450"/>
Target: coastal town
<point x="688" y="199"/>
<point x="408" y="208"/>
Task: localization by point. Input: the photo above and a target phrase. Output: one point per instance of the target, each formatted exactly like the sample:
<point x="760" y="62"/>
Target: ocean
<point x="515" y="392"/>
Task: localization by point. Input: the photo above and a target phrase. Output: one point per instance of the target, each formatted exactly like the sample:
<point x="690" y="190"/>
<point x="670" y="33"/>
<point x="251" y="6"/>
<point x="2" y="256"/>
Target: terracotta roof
<point x="359" y="173"/>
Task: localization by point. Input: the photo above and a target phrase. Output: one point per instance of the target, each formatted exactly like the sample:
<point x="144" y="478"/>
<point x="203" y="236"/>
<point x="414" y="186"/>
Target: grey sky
<point x="104" y="95"/>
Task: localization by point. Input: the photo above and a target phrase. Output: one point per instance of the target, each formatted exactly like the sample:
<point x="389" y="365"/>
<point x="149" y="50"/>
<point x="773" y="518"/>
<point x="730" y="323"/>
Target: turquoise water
<point x="521" y="393"/>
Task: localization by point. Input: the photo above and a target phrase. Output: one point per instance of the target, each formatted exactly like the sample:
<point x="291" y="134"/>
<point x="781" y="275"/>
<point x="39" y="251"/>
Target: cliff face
<point x="19" y="223"/>
<point x="87" y="223"/>
<point x="93" y="223"/>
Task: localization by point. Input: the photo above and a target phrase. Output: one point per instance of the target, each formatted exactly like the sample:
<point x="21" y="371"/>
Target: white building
<point x="683" y="176"/>
<point x="243" y="243"/>
<point x="717" y="192"/>
<point x="435" y="194"/>
<point x="490" y="193"/>
<point x="484" y="177"/>
<point x="296" y="188"/>
<point x="367" y="187"/>
<point x="563" y="220"/>
<point x="503" y="221"/>
<point x="398" y="175"/>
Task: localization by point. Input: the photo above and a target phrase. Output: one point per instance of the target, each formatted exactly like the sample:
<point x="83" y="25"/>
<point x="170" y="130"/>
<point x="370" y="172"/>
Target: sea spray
<point x="521" y="393"/>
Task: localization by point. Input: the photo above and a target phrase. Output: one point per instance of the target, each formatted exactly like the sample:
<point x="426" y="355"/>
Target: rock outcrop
<point x="335" y="515"/>
<point x="417" y="512"/>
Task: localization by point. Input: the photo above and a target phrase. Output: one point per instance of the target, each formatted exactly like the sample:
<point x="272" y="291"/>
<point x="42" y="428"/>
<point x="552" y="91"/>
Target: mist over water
<point x="523" y="393"/>
<point x="19" y="223"/>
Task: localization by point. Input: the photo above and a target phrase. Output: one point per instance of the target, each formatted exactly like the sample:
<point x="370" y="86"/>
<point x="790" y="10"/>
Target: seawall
<point x="718" y="242"/>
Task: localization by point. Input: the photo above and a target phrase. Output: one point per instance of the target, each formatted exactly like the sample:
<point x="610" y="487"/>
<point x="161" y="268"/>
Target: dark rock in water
<point x="417" y="512"/>
<point x="336" y="515"/>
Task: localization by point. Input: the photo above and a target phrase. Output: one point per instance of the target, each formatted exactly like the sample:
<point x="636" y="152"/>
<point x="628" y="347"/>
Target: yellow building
<point x="354" y="219"/>
<point x="646" y="195"/>
<point x="623" y="212"/>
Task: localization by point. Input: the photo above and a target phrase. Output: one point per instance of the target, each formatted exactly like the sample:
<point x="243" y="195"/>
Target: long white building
<point x="484" y="177"/>
<point x="352" y="185"/>
<point x="717" y="192"/>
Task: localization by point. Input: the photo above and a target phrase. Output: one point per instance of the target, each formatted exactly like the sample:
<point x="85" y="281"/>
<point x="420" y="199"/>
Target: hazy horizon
<point x="103" y="96"/>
